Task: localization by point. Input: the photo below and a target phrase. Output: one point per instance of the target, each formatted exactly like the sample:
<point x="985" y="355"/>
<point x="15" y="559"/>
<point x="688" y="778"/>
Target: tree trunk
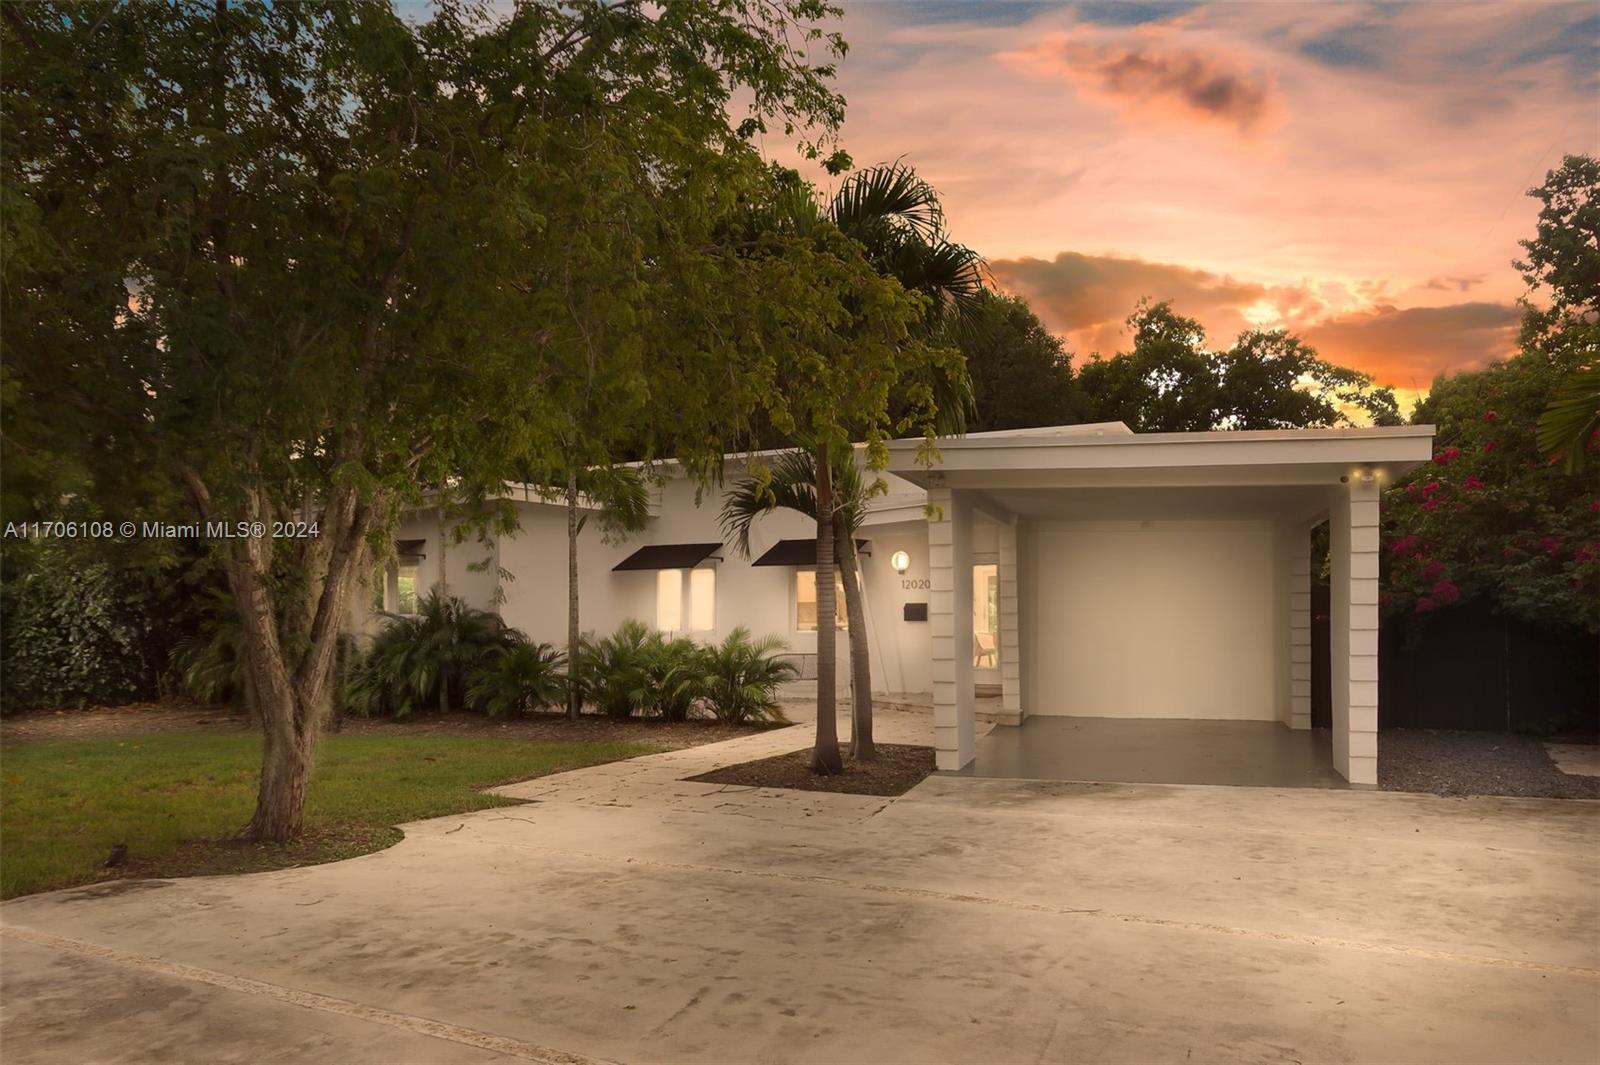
<point x="825" y="755"/>
<point x="861" y="746"/>
<point x="286" y="759"/>
<point x="574" y="690"/>
<point x="293" y="701"/>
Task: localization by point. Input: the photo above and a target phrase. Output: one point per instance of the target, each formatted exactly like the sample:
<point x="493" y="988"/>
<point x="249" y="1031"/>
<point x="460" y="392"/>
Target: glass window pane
<point x="805" y="601"/>
<point x="986" y="616"/>
<point x="702" y="599"/>
<point x="669" y="600"/>
<point x="405" y="596"/>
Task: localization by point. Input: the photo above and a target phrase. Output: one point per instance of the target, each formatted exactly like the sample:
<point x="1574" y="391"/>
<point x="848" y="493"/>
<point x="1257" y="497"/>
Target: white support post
<point x="1299" y="563"/>
<point x="1353" y="562"/>
<point x="950" y="626"/>
<point x="1012" y="711"/>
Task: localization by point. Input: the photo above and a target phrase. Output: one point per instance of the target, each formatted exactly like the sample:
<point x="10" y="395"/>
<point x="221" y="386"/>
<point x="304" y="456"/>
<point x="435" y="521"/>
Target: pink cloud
<point x="1146" y="78"/>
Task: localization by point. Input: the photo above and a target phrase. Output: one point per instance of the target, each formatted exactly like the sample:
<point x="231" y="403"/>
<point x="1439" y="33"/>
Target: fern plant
<point x="425" y="658"/>
<point x="741" y="678"/>
<point x="523" y="679"/>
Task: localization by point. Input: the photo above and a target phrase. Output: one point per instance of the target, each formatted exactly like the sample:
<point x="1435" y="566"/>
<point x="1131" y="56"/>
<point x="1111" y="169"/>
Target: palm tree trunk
<point x="861" y="747"/>
<point x="825" y="755"/>
<point x="574" y="694"/>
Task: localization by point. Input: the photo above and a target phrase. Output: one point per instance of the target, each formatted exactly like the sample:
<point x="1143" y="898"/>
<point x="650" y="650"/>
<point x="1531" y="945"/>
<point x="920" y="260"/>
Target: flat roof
<point x="1115" y="456"/>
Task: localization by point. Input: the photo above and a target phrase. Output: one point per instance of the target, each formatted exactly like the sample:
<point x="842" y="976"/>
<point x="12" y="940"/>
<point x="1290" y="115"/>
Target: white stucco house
<point x="1080" y="571"/>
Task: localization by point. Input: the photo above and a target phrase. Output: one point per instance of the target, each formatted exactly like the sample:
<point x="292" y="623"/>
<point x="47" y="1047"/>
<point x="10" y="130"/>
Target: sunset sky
<point x="1354" y="172"/>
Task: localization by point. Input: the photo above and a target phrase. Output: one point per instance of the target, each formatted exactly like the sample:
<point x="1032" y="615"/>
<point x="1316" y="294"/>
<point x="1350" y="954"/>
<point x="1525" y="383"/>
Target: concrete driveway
<point x="628" y="916"/>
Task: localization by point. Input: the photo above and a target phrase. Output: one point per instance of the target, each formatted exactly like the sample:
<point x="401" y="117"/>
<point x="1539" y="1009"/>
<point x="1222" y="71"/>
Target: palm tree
<point x="897" y="218"/>
<point x="792" y="485"/>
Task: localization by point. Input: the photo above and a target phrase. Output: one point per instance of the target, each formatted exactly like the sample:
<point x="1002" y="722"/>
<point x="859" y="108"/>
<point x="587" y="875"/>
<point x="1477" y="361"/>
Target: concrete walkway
<point x="625" y="915"/>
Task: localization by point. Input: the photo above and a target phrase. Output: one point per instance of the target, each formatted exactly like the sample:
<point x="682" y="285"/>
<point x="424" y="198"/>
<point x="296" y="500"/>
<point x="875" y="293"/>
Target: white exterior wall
<point x="1353" y="577"/>
<point x="1152" y="619"/>
<point x="761" y="598"/>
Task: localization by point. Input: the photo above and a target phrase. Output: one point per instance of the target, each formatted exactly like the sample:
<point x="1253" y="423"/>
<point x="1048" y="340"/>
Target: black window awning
<point x="668" y="556"/>
<point x="798" y="553"/>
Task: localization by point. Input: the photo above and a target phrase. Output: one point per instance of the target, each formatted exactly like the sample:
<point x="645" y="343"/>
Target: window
<point x="986" y="616"/>
<point x="701" y="609"/>
<point x="669" y="600"/>
<point x="405" y="592"/>
<point x="805" y="600"/>
<point x="702" y="599"/>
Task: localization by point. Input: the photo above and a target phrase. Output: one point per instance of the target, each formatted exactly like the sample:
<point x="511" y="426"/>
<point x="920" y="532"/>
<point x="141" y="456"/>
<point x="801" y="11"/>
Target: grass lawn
<point x="174" y="798"/>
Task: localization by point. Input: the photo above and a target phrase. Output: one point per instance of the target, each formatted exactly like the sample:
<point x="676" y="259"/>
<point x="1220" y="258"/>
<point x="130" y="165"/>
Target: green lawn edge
<point x="176" y="799"/>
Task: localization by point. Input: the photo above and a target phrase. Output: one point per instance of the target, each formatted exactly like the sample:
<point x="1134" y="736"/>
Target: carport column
<point x="1010" y="633"/>
<point x="1300" y="630"/>
<point x="1353" y="562"/>
<point x="950" y="625"/>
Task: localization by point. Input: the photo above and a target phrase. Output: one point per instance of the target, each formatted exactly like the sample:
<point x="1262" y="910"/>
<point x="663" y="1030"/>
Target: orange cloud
<point x="1146" y="79"/>
<point x="1086" y="298"/>
<point x="1410" y="346"/>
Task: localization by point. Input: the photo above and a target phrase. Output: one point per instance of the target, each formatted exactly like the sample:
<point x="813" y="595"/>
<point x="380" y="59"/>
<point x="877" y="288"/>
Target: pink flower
<point x="1411" y="490"/>
<point x="1430" y="488"/>
<point x="1446" y="592"/>
<point x="1490" y="446"/>
<point x="1594" y="506"/>
<point x="1444" y="457"/>
<point x="1430" y="504"/>
<point x="1473" y="482"/>
<point x="1424" y="604"/>
<point x="1489" y="415"/>
<point x="1403" y="545"/>
<point x="1432" y="570"/>
<point x="1548" y="544"/>
<point x="1586" y="552"/>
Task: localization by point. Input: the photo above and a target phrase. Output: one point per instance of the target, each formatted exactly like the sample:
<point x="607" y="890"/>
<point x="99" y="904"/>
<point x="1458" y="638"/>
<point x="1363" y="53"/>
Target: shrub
<point x="524" y="678"/>
<point x="616" y="669"/>
<point x="675" y="672"/>
<point x="209" y="663"/>
<point x="77" y="631"/>
<point x="742" y="677"/>
<point x="423" y="659"/>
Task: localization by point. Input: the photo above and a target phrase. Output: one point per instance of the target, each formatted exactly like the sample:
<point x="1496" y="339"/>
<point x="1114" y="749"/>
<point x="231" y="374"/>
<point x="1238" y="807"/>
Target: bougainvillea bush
<point x="1491" y="517"/>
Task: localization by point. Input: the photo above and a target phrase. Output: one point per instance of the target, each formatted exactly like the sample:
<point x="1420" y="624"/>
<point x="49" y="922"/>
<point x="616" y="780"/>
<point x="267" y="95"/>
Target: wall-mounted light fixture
<point x="1368" y="475"/>
<point x="901" y="561"/>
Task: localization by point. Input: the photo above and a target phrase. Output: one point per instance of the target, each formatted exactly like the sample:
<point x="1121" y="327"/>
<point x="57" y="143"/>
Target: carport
<point x="1158" y="584"/>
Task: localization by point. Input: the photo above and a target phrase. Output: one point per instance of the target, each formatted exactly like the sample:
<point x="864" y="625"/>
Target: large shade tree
<point x="1171" y="381"/>
<point x="288" y="266"/>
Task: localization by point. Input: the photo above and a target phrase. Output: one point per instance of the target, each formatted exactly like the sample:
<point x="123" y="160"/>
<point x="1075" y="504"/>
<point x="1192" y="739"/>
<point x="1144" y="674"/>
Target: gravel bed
<point x="1474" y="763"/>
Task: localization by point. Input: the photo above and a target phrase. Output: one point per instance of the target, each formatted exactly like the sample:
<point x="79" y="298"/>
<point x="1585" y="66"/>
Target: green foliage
<point x="1021" y="374"/>
<point x="1491" y="516"/>
<point x="424" y="660"/>
<point x="76" y="630"/>
<point x="521" y="679"/>
<point x="616" y="678"/>
<point x="210" y="662"/>
<point x="789" y="482"/>
<point x="742" y="676"/>
<point x="1269" y="379"/>
<point x="637" y="670"/>
<point x="1562" y="265"/>
<point x="1569" y="424"/>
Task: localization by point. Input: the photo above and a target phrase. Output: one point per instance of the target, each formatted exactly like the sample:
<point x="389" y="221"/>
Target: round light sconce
<point x="901" y="561"/>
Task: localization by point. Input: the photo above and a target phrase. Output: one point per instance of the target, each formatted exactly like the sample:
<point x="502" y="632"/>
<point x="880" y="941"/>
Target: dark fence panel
<point x="1467" y="667"/>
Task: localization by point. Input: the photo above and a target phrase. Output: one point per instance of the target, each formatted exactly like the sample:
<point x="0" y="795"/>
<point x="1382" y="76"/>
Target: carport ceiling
<point x="1295" y="502"/>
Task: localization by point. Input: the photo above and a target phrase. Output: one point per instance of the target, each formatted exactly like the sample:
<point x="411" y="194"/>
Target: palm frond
<point x="1571" y="419"/>
<point x="891" y="195"/>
